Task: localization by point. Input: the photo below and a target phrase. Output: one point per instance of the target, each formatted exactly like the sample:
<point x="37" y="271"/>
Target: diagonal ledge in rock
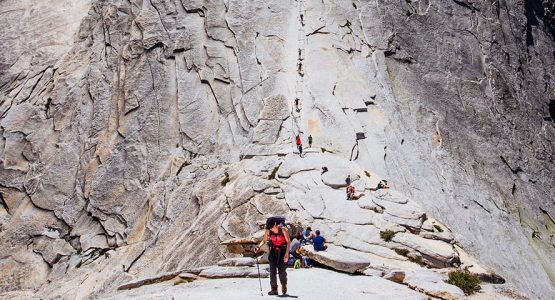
<point x="150" y="280"/>
<point x="233" y="272"/>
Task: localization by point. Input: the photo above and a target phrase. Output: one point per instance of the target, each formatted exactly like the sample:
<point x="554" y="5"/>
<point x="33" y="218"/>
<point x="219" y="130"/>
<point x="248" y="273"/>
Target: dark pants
<point x="277" y="265"/>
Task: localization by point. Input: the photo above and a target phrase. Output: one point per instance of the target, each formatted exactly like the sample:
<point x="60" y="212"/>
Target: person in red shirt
<point x="299" y="145"/>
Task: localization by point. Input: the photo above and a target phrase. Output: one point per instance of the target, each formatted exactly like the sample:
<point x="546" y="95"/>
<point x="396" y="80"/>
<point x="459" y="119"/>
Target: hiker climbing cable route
<point x="299" y="84"/>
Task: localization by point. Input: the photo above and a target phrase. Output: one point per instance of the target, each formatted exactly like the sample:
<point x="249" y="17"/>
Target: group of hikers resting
<point x="351" y="192"/>
<point x="284" y="251"/>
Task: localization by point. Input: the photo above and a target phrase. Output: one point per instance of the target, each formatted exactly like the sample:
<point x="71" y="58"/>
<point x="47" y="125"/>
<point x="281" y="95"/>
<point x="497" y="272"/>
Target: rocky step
<point x="233" y="272"/>
<point x="240" y="267"/>
<point x="426" y="281"/>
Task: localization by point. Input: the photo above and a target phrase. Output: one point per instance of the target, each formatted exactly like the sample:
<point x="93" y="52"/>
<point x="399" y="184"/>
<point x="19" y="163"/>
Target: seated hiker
<point x="319" y="242"/>
<point x="307" y="236"/>
<point x="350" y="192"/>
<point x="381" y="185"/>
<point x="295" y="245"/>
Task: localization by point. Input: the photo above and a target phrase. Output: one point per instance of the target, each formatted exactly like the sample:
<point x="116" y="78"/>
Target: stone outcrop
<point x="432" y="284"/>
<point x="149" y="137"/>
<point x="227" y="272"/>
<point x="229" y="268"/>
<point x="339" y="258"/>
<point x="237" y="262"/>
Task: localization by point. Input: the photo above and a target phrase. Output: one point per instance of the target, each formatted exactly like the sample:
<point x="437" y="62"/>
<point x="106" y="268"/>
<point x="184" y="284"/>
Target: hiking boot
<point x="284" y="289"/>
<point x="273" y="292"/>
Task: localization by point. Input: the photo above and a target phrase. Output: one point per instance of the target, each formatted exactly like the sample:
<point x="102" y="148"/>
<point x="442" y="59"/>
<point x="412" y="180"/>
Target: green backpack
<point x="297" y="264"/>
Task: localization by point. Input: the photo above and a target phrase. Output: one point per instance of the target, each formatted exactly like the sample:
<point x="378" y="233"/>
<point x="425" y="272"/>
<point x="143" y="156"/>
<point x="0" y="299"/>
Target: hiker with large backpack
<point x="279" y="244"/>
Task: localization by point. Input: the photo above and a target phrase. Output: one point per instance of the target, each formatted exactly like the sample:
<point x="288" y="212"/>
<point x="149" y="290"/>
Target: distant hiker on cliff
<point x="297" y="104"/>
<point x="299" y="145"/>
<point x="351" y="193"/>
<point x="300" y="69"/>
<point x="381" y="185"/>
<point x="319" y="242"/>
<point x="310" y="141"/>
<point x="348" y="180"/>
<point x="279" y="244"/>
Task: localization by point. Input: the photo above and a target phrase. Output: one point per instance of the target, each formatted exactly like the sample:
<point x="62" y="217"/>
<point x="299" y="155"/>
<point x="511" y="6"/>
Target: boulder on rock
<point x="237" y="262"/>
<point x="395" y="276"/>
<point x="335" y="177"/>
<point x="437" y="253"/>
<point x="339" y="258"/>
<point x="241" y="245"/>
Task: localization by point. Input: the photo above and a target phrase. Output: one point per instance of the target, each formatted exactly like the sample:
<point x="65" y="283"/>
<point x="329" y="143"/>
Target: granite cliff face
<point x="139" y="135"/>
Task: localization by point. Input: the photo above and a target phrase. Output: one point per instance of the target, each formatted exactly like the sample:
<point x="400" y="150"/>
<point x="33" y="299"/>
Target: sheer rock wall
<point x="138" y="135"/>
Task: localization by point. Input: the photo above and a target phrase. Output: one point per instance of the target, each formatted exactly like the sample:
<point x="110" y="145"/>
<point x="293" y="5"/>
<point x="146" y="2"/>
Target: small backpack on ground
<point x="291" y="262"/>
<point x="297" y="264"/>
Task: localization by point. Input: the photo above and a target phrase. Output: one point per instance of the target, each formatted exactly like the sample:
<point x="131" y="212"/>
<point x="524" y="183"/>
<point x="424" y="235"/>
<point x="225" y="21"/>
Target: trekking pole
<point x="259" y="280"/>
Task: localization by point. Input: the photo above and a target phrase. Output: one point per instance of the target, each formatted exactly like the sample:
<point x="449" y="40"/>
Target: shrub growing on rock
<point x="418" y="260"/>
<point x="401" y="251"/>
<point x="466" y="281"/>
<point x="274" y="172"/>
<point x="387" y="235"/>
<point x="226" y="179"/>
<point x="438" y="228"/>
